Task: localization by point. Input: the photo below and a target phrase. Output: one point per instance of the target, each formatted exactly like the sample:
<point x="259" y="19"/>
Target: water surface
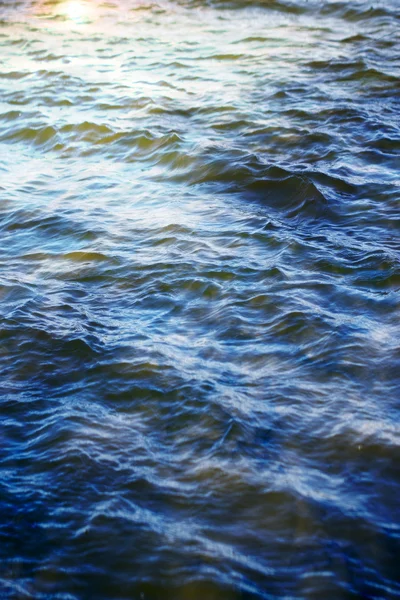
<point x="199" y="284"/>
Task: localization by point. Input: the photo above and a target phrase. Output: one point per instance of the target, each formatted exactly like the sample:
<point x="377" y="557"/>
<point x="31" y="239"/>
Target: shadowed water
<point x="199" y="284"/>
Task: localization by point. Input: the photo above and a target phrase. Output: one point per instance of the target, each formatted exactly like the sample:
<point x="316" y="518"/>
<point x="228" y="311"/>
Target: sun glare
<point x="76" y="11"/>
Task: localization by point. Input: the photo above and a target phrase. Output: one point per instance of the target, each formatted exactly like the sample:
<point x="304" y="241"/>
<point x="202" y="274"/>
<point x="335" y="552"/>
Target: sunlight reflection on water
<point x="76" y="10"/>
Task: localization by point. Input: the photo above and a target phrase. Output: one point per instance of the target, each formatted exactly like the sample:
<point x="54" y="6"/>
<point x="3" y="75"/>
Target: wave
<point x="291" y="194"/>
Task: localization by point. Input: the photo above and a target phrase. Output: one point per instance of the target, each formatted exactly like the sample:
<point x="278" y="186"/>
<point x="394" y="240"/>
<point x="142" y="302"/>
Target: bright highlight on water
<point x="76" y="11"/>
<point x="199" y="285"/>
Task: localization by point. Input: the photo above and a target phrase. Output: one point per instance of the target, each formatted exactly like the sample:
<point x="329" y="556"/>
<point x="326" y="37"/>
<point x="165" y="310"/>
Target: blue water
<point x="199" y="285"/>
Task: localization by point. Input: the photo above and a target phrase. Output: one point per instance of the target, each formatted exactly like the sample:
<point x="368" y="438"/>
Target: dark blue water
<point x="199" y="284"/>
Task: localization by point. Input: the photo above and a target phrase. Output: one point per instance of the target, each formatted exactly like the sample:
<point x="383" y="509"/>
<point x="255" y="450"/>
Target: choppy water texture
<point x="199" y="283"/>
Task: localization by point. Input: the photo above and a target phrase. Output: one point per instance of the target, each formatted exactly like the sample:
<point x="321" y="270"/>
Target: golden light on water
<point x="76" y="11"/>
